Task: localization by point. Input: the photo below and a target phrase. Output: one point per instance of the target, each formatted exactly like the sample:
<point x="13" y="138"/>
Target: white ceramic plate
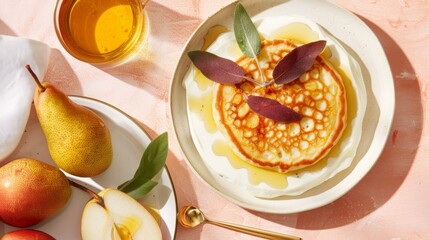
<point x="360" y="42"/>
<point x="129" y="141"/>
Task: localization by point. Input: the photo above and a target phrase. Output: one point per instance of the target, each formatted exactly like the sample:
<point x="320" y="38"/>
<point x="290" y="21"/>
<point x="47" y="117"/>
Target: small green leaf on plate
<point x="152" y="161"/>
<point x="246" y="34"/>
<point x="140" y="191"/>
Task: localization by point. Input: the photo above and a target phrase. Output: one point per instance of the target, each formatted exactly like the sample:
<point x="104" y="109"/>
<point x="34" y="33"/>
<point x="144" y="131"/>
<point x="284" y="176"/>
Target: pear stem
<point x="36" y="79"/>
<point x="89" y="191"/>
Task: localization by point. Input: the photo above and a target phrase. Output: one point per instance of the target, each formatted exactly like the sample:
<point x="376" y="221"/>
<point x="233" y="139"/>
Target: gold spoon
<point x="190" y="217"/>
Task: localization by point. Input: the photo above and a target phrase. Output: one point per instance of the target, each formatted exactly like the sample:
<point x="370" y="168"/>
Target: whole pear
<point x="78" y="140"/>
<point x="27" y="234"/>
<point x="31" y="191"/>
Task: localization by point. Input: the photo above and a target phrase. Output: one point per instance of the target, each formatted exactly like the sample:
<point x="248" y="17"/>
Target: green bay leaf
<point x="151" y="163"/>
<point x="139" y="191"/>
<point x="246" y="34"/>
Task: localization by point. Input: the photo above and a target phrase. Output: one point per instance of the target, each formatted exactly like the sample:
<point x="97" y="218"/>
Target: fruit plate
<point x="129" y="141"/>
<point x="359" y="41"/>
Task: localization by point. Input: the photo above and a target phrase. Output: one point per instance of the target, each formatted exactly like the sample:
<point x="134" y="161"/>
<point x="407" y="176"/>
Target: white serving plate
<point x="129" y="141"/>
<point x="360" y="42"/>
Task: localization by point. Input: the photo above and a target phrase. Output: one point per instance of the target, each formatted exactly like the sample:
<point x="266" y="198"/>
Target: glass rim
<point x="113" y="57"/>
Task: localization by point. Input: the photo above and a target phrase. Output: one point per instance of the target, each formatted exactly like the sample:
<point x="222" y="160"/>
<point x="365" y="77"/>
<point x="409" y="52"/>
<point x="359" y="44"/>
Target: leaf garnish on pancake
<point x="297" y="62"/>
<point x="246" y="34"/>
<point x="215" y="68"/>
<point x="272" y="109"/>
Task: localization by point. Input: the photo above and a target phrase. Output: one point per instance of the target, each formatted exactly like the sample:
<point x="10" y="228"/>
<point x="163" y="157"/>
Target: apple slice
<point x="116" y="215"/>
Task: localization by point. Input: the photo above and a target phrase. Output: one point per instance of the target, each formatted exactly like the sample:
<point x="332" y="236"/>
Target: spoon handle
<point x="253" y="231"/>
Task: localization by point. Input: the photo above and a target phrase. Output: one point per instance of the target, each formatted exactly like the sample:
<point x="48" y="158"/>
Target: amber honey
<point x="300" y="33"/>
<point x="100" y="31"/>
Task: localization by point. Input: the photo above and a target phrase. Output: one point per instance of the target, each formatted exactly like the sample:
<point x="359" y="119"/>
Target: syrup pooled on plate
<point x="202" y="104"/>
<point x="300" y="33"/>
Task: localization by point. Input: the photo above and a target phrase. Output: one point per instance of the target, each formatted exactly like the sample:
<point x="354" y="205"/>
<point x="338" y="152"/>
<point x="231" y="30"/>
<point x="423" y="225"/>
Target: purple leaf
<point x="216" y="68"/>
<point x="297" y="62"/>
<point x="272" y="109"/>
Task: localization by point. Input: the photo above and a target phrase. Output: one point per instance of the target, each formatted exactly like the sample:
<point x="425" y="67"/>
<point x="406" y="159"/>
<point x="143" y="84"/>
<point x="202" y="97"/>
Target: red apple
<point x="27" y="234"/>
<point x="31" y="191"/>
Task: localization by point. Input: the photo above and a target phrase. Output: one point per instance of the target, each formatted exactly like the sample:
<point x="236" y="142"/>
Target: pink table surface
<point x="391" y="202"/>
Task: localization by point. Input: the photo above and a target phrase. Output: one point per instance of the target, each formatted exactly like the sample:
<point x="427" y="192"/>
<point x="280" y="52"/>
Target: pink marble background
<point x="391" y="202"/>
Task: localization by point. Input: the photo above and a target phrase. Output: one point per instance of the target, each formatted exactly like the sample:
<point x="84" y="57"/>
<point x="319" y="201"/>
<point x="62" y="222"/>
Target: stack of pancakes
<point x="318" y="95"/>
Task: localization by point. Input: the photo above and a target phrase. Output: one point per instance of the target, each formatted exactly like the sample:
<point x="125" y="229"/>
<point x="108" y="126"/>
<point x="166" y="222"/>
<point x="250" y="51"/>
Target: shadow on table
<point x="152" y="67"/>
<point x="5" y="29"/>
<point x="391" y="169"/>
<point x="61" y="74"/>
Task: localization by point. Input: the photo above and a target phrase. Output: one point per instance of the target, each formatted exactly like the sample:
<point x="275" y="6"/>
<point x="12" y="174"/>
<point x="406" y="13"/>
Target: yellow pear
<point x="31" y="191"/>
<point x="78" y="140"/>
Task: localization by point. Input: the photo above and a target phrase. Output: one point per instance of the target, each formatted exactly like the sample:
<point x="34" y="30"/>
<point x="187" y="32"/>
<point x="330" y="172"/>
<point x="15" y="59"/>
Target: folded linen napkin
<point x="17" y="86"/>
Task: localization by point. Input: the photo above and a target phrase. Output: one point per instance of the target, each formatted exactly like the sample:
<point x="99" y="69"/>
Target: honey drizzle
<point x="212" y="35"/>
<point x="300" y="33"/>
<point x="155" y="213"/>
<point x="256" y="175"/>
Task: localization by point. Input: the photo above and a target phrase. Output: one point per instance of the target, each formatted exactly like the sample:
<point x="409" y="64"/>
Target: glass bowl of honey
<point x="101" y="32"/>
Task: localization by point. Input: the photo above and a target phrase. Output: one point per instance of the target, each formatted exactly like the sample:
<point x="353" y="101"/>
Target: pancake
<point x="318" y="95"/>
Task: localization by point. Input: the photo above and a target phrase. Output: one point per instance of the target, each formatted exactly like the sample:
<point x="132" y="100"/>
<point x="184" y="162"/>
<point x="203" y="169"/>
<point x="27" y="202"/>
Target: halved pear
<point x="118" y="216"/>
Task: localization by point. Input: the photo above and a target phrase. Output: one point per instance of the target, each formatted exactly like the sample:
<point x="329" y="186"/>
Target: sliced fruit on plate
<point x="116" y="215"/>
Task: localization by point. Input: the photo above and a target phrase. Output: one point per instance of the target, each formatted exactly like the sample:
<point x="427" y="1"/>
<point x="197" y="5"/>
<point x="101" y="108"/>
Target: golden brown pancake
<point x="318" y="95"/>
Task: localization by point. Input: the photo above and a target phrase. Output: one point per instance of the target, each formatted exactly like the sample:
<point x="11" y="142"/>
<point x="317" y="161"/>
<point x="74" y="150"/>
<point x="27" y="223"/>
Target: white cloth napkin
<point x="17" y="86"/>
